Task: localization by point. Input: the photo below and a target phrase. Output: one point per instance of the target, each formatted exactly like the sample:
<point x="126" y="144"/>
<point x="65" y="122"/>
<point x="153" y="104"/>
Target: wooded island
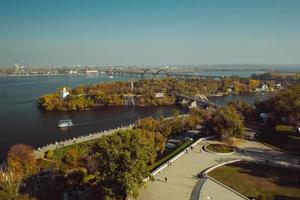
<point x="146" y="92"/>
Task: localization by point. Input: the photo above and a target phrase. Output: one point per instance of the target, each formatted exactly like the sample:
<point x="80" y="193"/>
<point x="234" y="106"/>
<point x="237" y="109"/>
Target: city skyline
<point x="149" y="33"/>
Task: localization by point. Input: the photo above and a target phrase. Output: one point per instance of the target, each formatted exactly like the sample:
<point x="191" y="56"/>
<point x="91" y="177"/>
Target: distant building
<point x="278" y="85"/>
<point x="159" y="95"/>
<point x="193" y="104"/>
<point x="229" y="90"/>
<point x="202" y="97"/>
<point x="264" y="116"/>
<point x="91" y="72"/>
<point x="64" y="93"/>
<point x="170" y="145"/>
<point x="72" y="72"/>
<point x="263" y="88"/>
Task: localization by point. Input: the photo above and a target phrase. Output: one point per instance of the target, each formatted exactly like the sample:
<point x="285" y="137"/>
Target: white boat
<point x="65" y="123"/>
<point x="111" y="77"/>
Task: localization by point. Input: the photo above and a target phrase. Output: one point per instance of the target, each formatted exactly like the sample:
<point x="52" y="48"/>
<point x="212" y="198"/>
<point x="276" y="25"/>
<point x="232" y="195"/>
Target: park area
<point x="283" y="137"/>
<point x="220" y="148"/>
<point x="260" y="181"/>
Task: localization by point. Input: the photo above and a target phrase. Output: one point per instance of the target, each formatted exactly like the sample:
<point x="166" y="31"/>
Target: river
<point x="22" y="122"/>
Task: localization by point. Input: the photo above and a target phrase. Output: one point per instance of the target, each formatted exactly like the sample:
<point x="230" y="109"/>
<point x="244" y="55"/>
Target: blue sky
<point x="55" y="32"/>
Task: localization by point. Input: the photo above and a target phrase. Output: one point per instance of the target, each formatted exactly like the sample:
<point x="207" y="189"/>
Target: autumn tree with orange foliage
<point x="20" y="158"/>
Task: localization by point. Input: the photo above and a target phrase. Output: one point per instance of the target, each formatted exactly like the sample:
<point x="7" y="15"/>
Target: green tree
<point x="225" y="122"/>
<point x="284" y="104"/>
<point x="122" y="163"/>
<point x="71" y="157"/>
<point x="252" y="84"/>
<point x="248" y="111"/>
<point x="148" y="124"/>
<point x="175" y="113"/>
<point x="49" y="154"/>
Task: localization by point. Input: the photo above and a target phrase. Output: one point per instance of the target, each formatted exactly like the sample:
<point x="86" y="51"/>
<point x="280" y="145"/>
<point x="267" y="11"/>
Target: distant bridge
<point x="197" y="101"/>
<point x="156" y="72"/>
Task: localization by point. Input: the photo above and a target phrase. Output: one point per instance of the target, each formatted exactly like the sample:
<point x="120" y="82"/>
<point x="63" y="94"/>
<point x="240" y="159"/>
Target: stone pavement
<point x="213" y="191"/>
<point x="182" y="175"/>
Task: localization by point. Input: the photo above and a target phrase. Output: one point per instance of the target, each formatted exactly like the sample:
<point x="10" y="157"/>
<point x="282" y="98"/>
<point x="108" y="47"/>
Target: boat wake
<point x="88" y="123"/>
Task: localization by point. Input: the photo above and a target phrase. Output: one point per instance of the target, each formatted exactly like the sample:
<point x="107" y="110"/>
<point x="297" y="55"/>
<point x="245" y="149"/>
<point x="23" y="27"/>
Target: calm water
<point x="22" y="122"/>
<point x="240" y="73"/>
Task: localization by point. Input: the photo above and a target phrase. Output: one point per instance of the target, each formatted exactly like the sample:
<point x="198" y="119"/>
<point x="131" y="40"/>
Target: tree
<point x="21" y="159"/>
<point x="90" y="163"/>
<point x="252" y="84"/>
<point x="78" y="91"/>
<point x="248" y="111"/>
<point x="175" y="113"/>
<point x="9" y="183"/>
<point x="49" y="154"/>
<point x="148" y="124"/>
<point x="122" y="162"/>
<point x="284" y="104"/>
<point x="71" y="157"/>
<point x="225" y="122"/>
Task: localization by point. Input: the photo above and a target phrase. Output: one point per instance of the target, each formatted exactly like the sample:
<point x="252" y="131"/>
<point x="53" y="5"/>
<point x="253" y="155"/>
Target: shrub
<point x="49" y="154"/>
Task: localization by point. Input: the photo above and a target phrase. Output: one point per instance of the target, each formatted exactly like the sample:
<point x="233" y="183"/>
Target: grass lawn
<point x="260" y="181"/>
<point x="220" y="148"/>
<point x="284" y="128"/>
<point x="81" y="149"/>
<point x="46" y="164"/>
<point x="281" y="139"/>
<point x="165" y="157"/>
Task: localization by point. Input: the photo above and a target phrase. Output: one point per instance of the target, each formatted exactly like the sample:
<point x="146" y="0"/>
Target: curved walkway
<point x="182" y="175"/>
<point x="212" y="190"/>
<point x="197" y="188"/>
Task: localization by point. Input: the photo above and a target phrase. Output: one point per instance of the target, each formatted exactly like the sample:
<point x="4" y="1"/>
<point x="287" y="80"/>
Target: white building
<point x="64" y="93"/>
<point x="193" y="104"/>
<point x="91" y="72"/>
<point x="264" y="116"/>
<point x="159" y="95"/>
<point x="278" y="85"/>
<point x="72" y="72"/>
<point x="263" y="88"/>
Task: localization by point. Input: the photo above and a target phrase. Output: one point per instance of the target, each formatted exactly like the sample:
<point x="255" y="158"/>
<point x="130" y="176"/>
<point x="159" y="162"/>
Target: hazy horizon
<point x="149" y="33"/>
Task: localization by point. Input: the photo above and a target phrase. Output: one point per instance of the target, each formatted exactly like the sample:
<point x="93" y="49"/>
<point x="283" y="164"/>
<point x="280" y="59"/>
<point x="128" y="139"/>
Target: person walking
<point x="166" y="179"/>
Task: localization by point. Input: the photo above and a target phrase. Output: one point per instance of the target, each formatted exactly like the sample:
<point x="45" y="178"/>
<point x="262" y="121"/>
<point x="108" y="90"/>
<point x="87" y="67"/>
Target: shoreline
<point x="213" y="96"/>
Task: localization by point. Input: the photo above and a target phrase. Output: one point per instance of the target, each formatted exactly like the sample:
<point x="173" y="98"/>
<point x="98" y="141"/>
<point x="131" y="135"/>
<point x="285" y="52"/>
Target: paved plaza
<point x="182" y="174"/>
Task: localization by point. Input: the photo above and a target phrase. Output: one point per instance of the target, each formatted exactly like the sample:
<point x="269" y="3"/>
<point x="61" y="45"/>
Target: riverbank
<point x="128" y="150"/>
<point x="18" y="99"/>
<point x="41" y="151"/>
<point x="142" y="92"/>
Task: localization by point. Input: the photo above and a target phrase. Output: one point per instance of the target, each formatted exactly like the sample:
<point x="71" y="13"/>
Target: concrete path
<point x="213" y="191"/>
<point x="197" y="188"/>
<point x="182" y="175"/>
